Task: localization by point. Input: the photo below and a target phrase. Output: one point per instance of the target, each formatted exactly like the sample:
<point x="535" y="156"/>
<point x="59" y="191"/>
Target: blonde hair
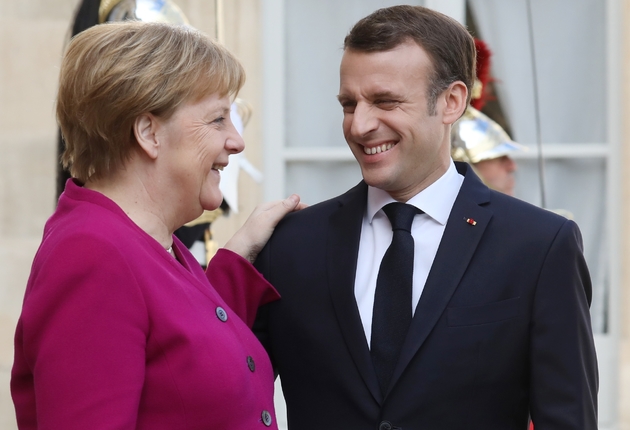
<point x="114" y="72"/>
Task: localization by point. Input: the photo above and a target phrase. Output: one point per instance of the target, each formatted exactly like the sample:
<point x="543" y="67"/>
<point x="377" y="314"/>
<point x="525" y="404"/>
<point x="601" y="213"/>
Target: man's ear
<point x="456" y="103"/>
<point x="145" y="129"/>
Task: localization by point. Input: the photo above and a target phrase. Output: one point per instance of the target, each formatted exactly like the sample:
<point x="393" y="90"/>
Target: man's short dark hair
<point x="448" y="43"/>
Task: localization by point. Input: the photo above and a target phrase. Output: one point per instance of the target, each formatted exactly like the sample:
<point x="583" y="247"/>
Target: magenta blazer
<point x="117" y="334"/>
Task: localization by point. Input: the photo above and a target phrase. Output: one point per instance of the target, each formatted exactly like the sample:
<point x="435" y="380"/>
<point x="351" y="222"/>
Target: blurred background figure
<point x="480" y="141"/>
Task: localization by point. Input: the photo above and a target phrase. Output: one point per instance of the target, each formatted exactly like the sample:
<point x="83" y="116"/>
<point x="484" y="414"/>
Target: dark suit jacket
<point x="501" y="330"/>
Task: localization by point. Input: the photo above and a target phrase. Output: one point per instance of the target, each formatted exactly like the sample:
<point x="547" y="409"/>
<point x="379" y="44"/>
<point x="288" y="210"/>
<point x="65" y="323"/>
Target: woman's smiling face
<point x="198" y="139"/>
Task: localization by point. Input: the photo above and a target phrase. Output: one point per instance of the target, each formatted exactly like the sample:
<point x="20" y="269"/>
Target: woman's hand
<point x="250" y="239"/>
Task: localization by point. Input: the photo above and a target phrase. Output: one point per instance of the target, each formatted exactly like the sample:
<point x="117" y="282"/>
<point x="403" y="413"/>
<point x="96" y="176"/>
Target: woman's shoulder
<point x="84" y="236"/>
<point x="83" y="224"/>
<point x="84" y="215"/>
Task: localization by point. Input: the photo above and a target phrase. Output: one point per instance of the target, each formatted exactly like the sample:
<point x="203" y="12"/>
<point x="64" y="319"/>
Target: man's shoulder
<point x="355" y="196"/>
<point x="523" y="216"/>
<point x="317" y="214"/>
<point x="509" y="203"/>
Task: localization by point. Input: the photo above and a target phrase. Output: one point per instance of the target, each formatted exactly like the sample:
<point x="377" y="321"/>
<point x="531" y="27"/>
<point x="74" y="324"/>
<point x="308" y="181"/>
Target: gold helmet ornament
<point x="475" y="137"/>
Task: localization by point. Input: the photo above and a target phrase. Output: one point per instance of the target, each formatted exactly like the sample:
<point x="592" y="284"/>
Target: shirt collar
<point x="436" y="200"/>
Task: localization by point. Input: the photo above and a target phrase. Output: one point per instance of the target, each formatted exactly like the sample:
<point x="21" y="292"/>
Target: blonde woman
<point x="121" y="329"/>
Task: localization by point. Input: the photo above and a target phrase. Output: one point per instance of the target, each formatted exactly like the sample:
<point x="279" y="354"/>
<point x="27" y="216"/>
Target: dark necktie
<point x="392" y="301"/>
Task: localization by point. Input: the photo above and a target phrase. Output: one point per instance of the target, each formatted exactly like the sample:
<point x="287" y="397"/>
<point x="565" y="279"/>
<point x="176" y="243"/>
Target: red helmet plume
<point x="480" y="91"/>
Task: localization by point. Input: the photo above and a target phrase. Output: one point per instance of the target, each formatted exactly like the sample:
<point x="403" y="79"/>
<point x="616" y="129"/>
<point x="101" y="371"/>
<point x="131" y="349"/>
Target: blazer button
<point x="250" y="363"/>
<point x="385" y="425"/>
<point x="266" y="418"/>
<point x="221" y="314"/>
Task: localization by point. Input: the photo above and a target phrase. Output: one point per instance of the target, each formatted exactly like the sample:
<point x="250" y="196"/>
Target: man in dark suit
<point x="494" y="324"/>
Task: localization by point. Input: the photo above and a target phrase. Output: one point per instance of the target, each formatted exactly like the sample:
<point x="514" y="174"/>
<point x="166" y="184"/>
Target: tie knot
<point x="401" y="215"/>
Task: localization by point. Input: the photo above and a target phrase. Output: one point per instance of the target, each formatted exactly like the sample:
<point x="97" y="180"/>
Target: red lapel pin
<point x="471" y="221"/>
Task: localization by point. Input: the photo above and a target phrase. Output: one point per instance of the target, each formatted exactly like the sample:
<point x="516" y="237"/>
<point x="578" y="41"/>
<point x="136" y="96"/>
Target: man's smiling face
<point x="400" y="146"/>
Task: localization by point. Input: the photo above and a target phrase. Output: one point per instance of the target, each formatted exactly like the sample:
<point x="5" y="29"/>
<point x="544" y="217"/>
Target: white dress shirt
<point x="376" y="235"/>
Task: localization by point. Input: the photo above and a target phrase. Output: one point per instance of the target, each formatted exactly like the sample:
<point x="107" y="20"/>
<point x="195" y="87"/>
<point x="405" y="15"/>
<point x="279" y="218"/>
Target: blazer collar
<point x="342" y="248"/>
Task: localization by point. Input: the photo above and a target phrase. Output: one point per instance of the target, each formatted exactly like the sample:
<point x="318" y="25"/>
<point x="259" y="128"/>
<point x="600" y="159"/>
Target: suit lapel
<point x="342" y="248"/>
<point x="456" y="249"/>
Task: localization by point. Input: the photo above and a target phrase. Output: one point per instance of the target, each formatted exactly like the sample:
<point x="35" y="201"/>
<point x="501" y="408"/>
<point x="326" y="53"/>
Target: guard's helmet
<point x="142" y="10"/>
<point x="475" y="137"/>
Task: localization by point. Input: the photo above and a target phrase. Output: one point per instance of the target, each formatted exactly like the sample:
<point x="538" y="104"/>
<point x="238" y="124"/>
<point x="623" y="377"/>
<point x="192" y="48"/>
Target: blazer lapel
<point x="456" y="249"/>
<point x="342" y="248"/>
